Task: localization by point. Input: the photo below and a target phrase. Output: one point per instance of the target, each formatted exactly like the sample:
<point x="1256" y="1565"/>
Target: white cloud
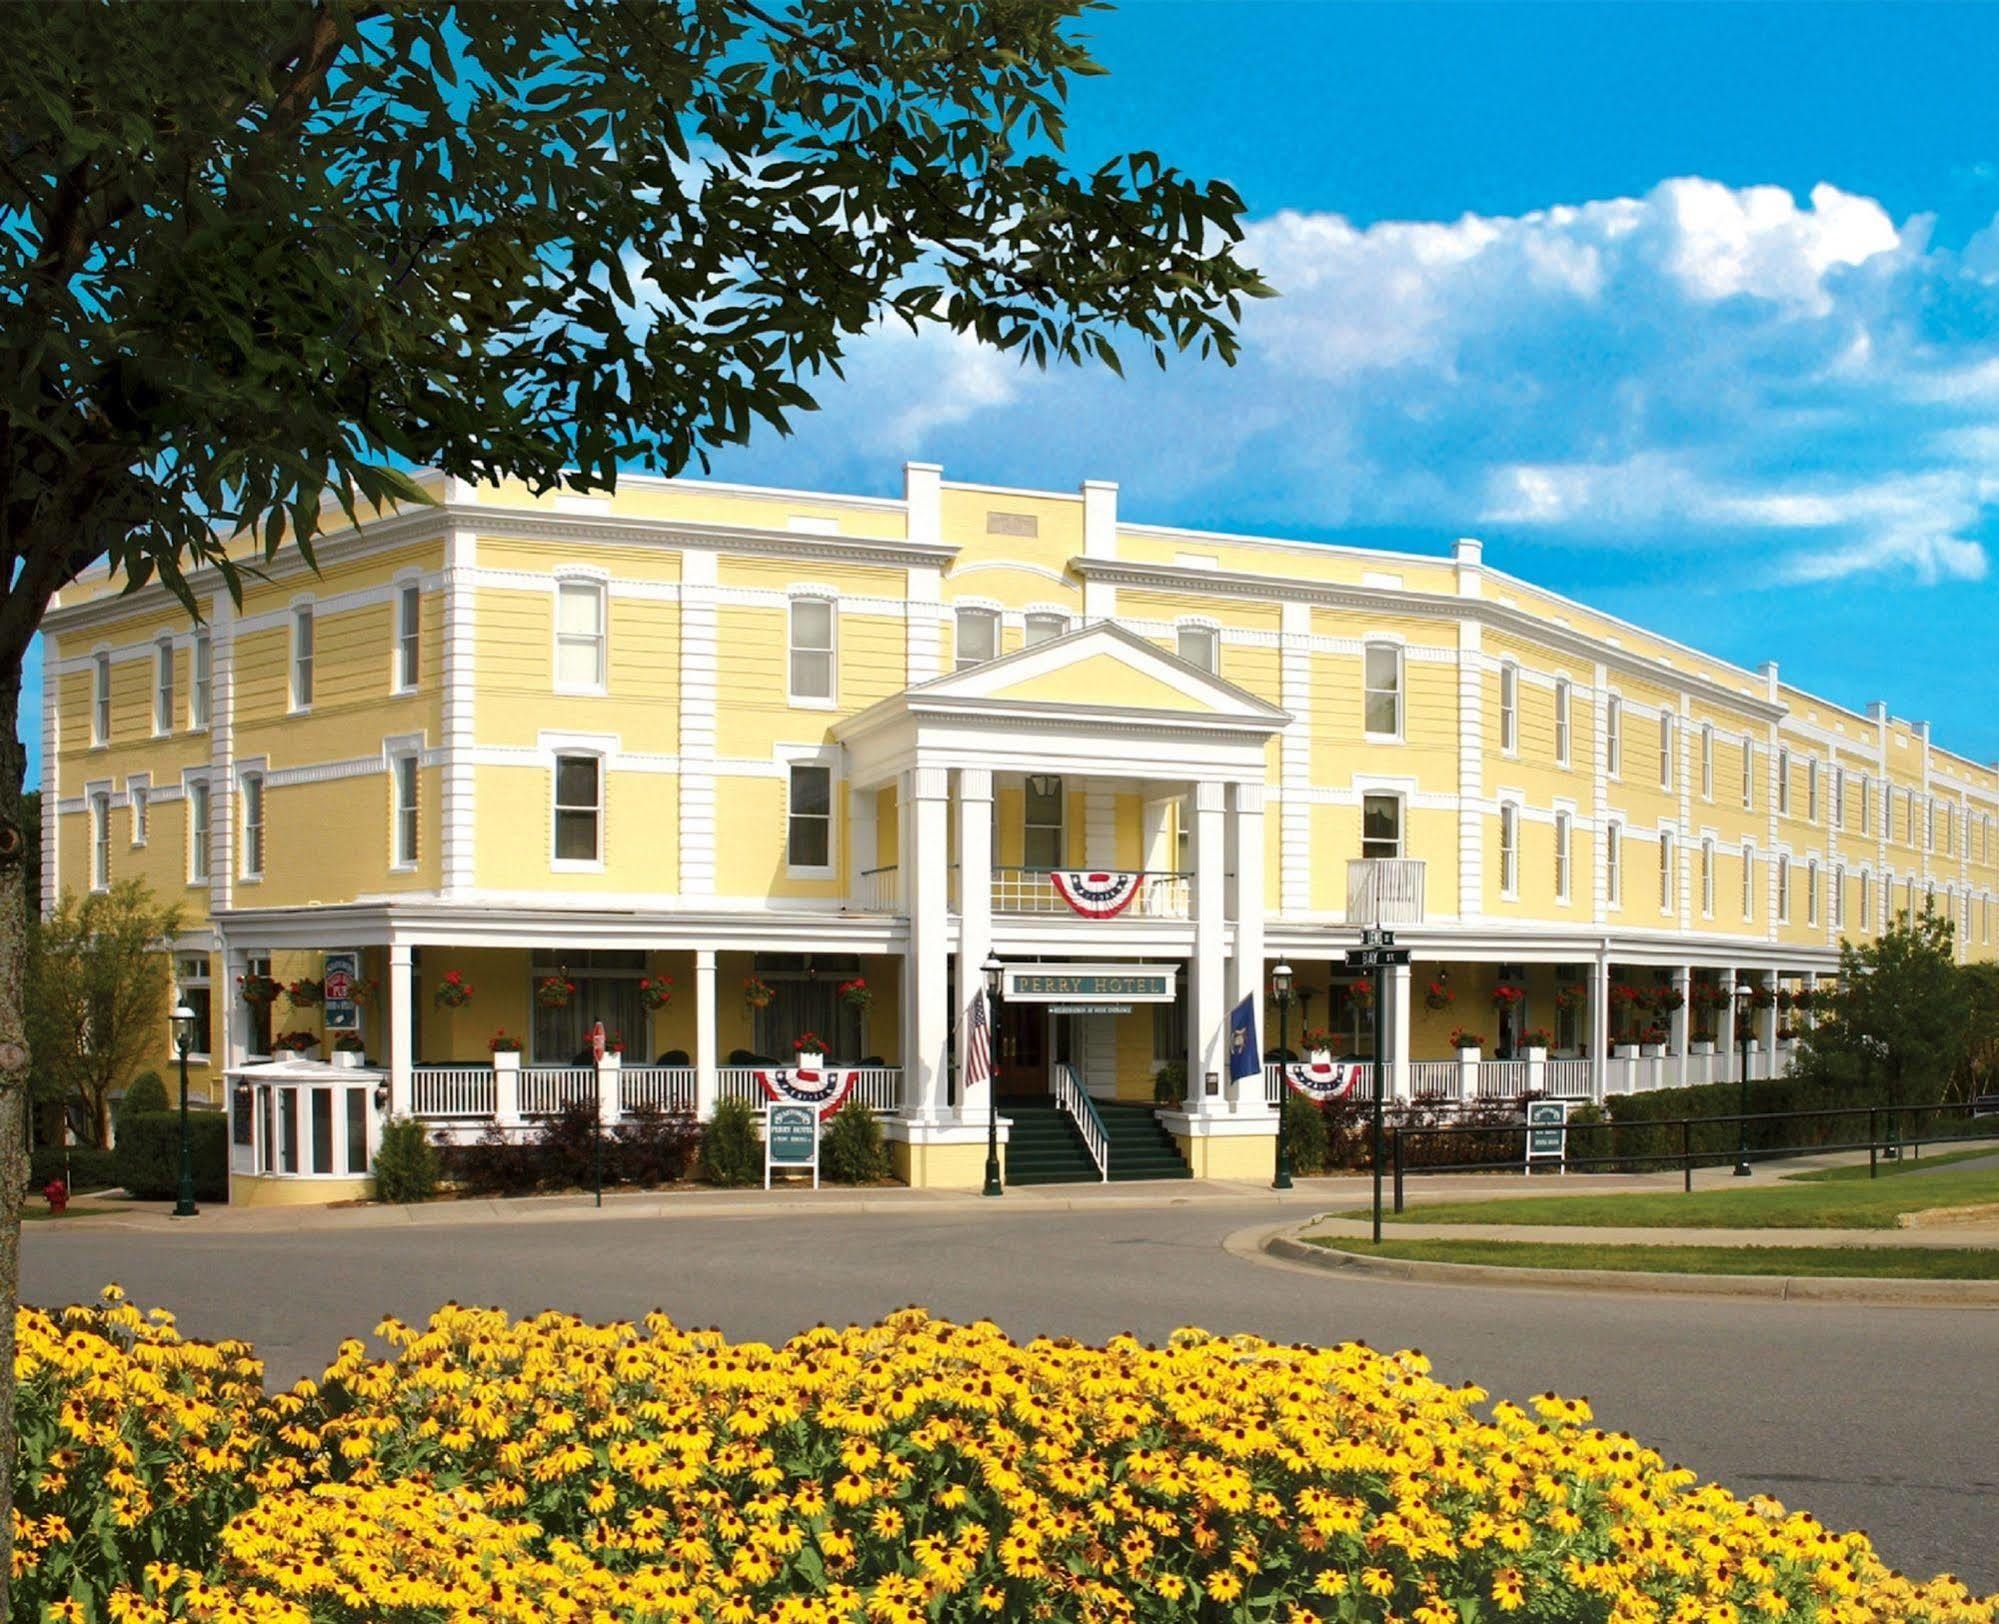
<point x="1717" y="367"/>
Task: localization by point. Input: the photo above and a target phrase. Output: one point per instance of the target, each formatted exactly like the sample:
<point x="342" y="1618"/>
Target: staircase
<point x="1043" y="1146"/>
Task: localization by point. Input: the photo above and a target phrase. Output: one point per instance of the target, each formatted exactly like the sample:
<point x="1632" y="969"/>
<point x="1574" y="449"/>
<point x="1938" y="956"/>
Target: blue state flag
<point x="1244" y="1058"/>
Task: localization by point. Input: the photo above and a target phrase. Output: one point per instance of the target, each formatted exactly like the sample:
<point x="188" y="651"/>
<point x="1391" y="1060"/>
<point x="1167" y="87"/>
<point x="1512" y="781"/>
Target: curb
<point x="1761" y="1287"/>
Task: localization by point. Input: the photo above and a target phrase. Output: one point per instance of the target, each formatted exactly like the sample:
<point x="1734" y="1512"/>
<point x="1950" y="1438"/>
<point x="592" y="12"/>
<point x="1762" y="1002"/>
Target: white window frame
<point x="1749" y="880"/>
<point x="1866" y="804"/>
<point x="792" y="867"/>
<point x="1043" y="626"/>
<point x="1666" y="737"/>
<point x="1811" y="892"/>
<point x="1401" y="805"/>
<point x="1783" y="783"/>
<point x="409" y="637"/>
<point x="1866" y="900"/>
<point x="799" y="695"/>
<point x="1668" y="872"/>
<point x="1564" y="693"/>
<point x="100" y="700"/>
<point x="597" y="643"/>
<point x="192" y="970"/>
<point x="556" y="807"/>
<point x="1748" y="774"/>
<point x="1783" y="889"/>
<point x="1509" y="708"/>
<point x="1837" y="897"/>
<point x="1811" y="789"/>
<point x="1060" y="825"/>
<point x="973" y="614"/>
<point x="201" y="683"/>
<point x="1707" y="879"/>
<point x="163" y="687"/>
<point x="200" y="800"/>
<point x="405" y="810"/>
<point x="1564" y="853"/>
<point x="1707" y="761"/>
<point x="253" y="792"/>
<point x="1613" y="864"/>
<point x="304" y="648"/>
<point x="1613" y="736"/>
<point x="1836" y="806"/>
<point x="1509" y="850"/>
<point x="1368" y="690"/>
<point x="100" y="839"/>
<point x="139" y="803"/>
<point x="1207" y="641"/>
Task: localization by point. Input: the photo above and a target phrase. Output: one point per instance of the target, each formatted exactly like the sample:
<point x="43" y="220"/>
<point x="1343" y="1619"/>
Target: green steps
<point x="1044" y="1146"/>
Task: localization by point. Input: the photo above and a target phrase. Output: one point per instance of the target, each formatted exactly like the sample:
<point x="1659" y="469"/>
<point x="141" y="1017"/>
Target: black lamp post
<point x="1745" y="995"/>
<point x="1280" y="992"/>
<point x="183" y="1020"/>
<point x="995" y="974"/>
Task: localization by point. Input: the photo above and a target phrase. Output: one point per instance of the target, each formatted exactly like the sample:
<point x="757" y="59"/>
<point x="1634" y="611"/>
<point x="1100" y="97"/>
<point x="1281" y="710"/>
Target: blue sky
<point x="1689" y="310"/>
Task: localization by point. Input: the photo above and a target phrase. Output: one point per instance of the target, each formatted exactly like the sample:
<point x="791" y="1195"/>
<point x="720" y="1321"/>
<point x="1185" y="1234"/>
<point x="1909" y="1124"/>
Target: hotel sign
<point x="1090" y="984"/>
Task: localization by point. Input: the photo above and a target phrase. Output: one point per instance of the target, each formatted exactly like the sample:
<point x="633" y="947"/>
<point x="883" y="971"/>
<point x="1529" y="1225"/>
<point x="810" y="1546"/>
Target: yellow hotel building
<point x="765" y="743"/>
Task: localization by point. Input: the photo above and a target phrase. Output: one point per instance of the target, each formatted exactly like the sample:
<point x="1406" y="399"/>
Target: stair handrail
<point x="1073" y="1097"/>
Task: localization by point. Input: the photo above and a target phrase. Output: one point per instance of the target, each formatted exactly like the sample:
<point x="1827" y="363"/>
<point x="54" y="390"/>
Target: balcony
<point x="1385" y="891"/>
<point x="1161" y="893"/>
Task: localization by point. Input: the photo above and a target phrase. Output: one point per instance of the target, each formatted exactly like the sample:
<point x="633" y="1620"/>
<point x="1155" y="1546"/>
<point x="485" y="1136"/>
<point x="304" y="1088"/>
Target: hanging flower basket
<point x="856" y="994"/>
<point x="1571" y="995"/>
<point x="758" y="993"/>
<point x="655" y="992"/>
<point x="1361" y="993"/>
<point x="259" y="991"/>
<point x="1437" y="995"/>
<point x="554" y="992"/>
<point x="362" y="990"/>
<point x="1668" y="999"/>
<point x="304" y="993"/>
<point x="454" y="991"/>
<point x="1506" y="996"/>
<point x="1761" y="998"/>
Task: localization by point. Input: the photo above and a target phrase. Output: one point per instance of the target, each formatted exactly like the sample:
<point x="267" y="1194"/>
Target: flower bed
<point x="908" y="1471"/>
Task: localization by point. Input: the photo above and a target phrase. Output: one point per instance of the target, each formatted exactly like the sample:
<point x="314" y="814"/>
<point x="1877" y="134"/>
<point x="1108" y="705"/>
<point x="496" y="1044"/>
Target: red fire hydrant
<point x="56" y="1193"/>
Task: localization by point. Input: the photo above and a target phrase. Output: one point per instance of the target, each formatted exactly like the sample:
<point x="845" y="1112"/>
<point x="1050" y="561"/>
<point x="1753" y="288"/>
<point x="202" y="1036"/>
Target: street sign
<point x="791" y="1139"/>
<point x="1547" y="1130"/>
<point x="1376" y="958"/>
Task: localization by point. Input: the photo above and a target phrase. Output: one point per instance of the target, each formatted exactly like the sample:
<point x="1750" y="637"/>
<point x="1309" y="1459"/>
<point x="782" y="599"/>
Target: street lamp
<point x="995" y="974"/>
<point x="1280" y="992"/>
<point x="183" y="1022"/>
<point x="1745" y="995"/>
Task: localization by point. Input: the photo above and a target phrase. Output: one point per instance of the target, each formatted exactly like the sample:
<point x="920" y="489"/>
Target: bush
<point x="1304" y="1133"/>
<point x="655" y="1146"/>
<point x="851" y="1149"/>
<point x="406" y="1163"/>
<point x="82" y="1167"/>
<point x="146" y="1093"/>
<point x="731" y="1152"/>
<point x="571" y="1150"/>
<point x="494" y="1164"/>
<point x="1169" y="1083"/>
<point x="147" y="1160"/>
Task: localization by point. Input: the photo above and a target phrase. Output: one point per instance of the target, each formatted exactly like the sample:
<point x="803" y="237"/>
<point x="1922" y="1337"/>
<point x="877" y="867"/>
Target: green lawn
<point x="1907" y="1164"/>
<point x="1838" y="1262"/>
<point x="1762" y="1202"/>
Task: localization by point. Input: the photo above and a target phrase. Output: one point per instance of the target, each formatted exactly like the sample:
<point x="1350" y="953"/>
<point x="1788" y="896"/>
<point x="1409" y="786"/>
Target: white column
<point x="1206" y="1012"/>
<point x="1724" y="1030"/>
<point x="1683" y="984"/>
<point x="1099" y="541"/>
<point x="705" y="1057"/>
<point x="927" y="1015"/>
<point x="1599" y="1025"/>
<point x="402" y="1028"/>
<point x="975" y="915"/>
<point x="1246" y="967"/>
<point x="1812" y="986"/>
<point x="458" y="817"/>
<point x="1769" y="1034"/>
<point x="1401" y="985"/>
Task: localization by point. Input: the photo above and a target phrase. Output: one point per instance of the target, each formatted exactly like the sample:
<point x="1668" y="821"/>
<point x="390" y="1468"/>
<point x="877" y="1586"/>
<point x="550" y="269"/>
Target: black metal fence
<point x="1689" y="1142"/>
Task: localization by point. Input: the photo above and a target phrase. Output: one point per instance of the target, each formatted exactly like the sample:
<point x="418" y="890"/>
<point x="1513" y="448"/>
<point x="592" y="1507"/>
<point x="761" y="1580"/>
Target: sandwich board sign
<point x="1547" y="1130"/>
<point x="791" y="1139"/>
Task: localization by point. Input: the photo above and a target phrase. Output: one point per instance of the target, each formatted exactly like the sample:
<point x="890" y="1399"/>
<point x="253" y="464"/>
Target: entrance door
<point x="1021" y="1067"/>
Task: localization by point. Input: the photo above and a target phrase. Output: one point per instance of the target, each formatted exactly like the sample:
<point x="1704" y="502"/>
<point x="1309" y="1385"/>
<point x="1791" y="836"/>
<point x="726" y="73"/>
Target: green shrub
<point x="851" y="1151"/>
<point x="147" y="1160"/>
<point x="1304" y="1134"/>
<point x="146" y="1093"/>
<point x="1169" y="1083"/>
<point x="406" y="1163"/>
<point x="655" y="1146"/>
<point x="731" y="1152"/>
<point x="495" y="1163"/>
<point x="81" y="1167"/>
<point x="571" y="1150"/>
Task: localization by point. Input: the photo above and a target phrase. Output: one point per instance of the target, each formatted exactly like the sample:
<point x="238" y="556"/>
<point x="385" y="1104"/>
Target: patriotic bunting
<point x="1096" y="894"/>
<point x="824" y="1087"/>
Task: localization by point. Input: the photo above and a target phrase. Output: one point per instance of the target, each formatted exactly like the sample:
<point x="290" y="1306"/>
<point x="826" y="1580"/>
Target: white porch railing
<point x="879" y="1088"/>
<point x="1385" y="891"/>
<point x="1502" y="1079"/>
<point x="657" y="1088"/>
<point x="1072" y="1097"/>
<point x="1273" y="1081"/>
<point x="1570" y="1080"/>
<point x="545" y="1090"/>
<point x="453" y="1091"/>
<point x="1434" y="1077"/>
<point x="879" y="890"/>
<point x="1162" y="893"/>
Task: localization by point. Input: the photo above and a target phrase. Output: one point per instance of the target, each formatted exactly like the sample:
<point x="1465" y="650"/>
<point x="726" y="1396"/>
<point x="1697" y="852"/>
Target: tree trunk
<point x="14" y="905"/>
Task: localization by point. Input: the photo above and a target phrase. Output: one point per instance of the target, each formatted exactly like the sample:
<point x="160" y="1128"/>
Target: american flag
<point x="978" y="1044"/>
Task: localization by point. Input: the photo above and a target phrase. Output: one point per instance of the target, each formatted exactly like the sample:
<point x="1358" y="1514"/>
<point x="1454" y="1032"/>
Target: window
<point x="1866" y="900"/>
<point x="201" y="681"/>
<point x="1041" y="842"/>
<point x="1748" y="880"/>
<point x="1509" y="849"/>
<point x="163" y="686"/>
<point x="1838" y="807"/>
<point x="302" y="657"/>
<point x="1887" y="810"/>
<point x="409" y="636"/>
<point x="1613" y="736"/>
<point x="253" y="826"/>
<point x="978" y="636"/>
<point x="1783" y="783"/>
<point x="100" y="699"/>
<point x="257" y="1030"/>
<point x="403" y="771"/>
<point x="197" y="831"/>
<point x="809" y="827"/>
<point x="1707" y="762"/>
<point x="811" y="649"/>
<point x="1838" y="898"/>
<point x="607" y="990"/>
<point x="191" y="971"/>
<point x="139" y="797"/>
<point x="1665" y="871"/>
<point x="1199" y="645"/>
<point x="1866" y="802"/>
<point x="579" y="805"/>
<point x="1949" y="829"/>
<point x="1382" y="677"/>
<point x="1929" y="825"/>
<point x="1783" y="890"/>
<point x="100" y="841"/>
<point x="1381" y="826"/>
<point x="1707" y="879"/>
<point x="1044" y="628"/>
<point x="1811" y="893"/>
<point x="1613" y="864"/>
<point x="1749" y="774"/>
<point x="1562" y="845"/>
<point x="579" y="637"/>
<point x="1561" y="721"/>
<point x="1509" y="707"/>
<point x="1812" y="789"/>
<point x="1665" y="750"/>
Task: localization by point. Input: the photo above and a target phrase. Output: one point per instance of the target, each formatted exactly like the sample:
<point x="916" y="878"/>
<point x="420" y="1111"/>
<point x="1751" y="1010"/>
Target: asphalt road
<point x="1881" y="1418"/>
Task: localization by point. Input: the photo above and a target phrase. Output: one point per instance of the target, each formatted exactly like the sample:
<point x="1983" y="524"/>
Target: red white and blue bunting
<point x="824" y="1087"/>
<point x="1096" y="894"/>
<point x="1325" y="1080"/>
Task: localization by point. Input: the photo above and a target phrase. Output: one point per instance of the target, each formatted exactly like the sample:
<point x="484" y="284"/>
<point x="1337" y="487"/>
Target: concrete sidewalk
<point x="1954" y="1236"/>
